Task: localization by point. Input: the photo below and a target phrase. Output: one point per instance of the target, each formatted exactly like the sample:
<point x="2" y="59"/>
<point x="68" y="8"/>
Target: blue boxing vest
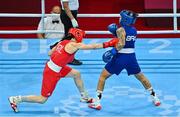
<point x="131" y="34"/>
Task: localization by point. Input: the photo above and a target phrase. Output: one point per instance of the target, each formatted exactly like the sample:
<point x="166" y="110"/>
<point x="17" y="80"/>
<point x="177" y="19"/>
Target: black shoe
<point x="75" y="62"/>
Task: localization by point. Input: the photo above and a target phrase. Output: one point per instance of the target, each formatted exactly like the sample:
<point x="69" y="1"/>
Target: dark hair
<point x="67" y="37"/>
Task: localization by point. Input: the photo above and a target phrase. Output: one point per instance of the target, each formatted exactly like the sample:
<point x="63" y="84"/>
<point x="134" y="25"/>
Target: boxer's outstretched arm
<point x="111" y="43"/>
<point x="89" y="46"/>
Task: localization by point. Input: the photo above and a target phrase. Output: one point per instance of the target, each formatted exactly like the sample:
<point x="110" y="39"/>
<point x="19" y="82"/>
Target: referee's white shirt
<point x="73" y="4"/>
<point x="48" y="25"/>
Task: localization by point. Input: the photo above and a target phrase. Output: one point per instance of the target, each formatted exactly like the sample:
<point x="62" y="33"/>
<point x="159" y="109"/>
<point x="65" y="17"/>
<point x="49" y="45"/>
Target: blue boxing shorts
<point x="123" y="61"/>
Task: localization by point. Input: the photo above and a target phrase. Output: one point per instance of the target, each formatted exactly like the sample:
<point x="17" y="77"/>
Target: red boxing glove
<point x="111" y="43"/>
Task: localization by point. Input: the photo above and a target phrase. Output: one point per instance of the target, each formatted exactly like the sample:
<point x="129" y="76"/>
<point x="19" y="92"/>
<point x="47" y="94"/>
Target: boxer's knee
<point x="143" y="80"/>
<point x="76" y="74"/>
<point x="104" y="75"/>
<point x="42" y="99"/>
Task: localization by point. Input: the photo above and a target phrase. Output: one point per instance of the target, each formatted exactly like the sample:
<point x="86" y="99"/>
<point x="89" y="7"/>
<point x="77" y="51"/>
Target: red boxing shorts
<point x="50" y="79"/>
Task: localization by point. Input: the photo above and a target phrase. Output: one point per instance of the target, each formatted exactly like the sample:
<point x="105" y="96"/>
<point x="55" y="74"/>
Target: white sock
<point x="84" y="94"/>
<point x="151" y="91"/>
<point x="18" y="99"/>
<point x="99" y="94"/>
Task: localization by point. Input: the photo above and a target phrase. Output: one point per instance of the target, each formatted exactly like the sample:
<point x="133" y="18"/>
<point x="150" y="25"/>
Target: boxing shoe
<point x="85" y="98"/>
<point x="155" y="100"/>
<point x="14" y="100"/>
<point x="95" y="104"/>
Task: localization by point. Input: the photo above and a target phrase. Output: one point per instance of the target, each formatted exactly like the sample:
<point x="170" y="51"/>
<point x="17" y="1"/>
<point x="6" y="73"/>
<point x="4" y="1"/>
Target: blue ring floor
<point x="22" y="62"/>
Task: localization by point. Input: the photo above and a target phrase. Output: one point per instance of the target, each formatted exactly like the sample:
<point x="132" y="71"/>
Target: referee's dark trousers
<point x="67" y="21"/>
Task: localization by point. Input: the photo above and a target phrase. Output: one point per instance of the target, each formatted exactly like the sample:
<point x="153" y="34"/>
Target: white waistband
<point x="53" y="66"/>
<point x="126" y="50"/>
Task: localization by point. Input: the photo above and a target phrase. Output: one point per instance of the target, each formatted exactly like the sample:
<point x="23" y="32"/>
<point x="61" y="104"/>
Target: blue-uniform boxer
<point x="125" y="58"/>
<point x="122" y="57"/>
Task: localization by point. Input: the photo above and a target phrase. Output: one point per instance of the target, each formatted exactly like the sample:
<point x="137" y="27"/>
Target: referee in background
<point x="69" y="19"/>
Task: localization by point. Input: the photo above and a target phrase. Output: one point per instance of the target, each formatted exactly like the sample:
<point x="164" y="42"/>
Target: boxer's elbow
<point x="120" y="45"/>
<point x="49" y="53"/>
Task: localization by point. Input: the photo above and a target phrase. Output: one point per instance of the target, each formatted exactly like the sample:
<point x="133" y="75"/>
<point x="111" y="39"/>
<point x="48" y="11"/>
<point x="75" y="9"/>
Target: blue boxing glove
<point x="114" y="51"/>
<point x="108" y="55"/>
<point x="112" y="28"/>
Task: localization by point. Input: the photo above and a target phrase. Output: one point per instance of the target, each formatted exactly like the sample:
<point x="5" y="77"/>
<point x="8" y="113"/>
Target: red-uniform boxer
<point x="56" y="68"/>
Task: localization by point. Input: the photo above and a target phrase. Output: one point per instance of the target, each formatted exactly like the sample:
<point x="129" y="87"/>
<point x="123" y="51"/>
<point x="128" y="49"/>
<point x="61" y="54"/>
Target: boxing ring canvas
<point x="22" y="62"/>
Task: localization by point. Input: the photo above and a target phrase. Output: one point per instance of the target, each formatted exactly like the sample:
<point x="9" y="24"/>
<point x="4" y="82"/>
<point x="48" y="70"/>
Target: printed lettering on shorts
<point x="131" y="38"/>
